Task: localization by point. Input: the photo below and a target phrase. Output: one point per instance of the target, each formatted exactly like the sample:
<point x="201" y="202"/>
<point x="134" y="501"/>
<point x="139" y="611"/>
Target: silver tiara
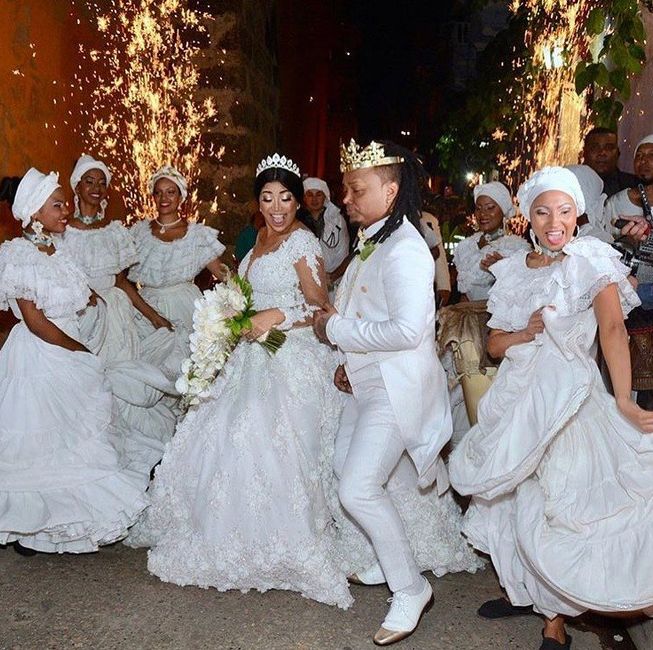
<point x="278" y="162"/>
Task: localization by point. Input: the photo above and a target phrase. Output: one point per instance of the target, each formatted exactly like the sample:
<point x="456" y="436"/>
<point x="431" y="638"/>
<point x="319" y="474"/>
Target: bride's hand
<point x="262" y="322"/>
<point x="636" y="415"/>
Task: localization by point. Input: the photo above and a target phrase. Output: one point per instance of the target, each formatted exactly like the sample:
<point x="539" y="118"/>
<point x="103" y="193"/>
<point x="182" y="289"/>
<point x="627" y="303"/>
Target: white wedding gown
<point x="239" y="500"/>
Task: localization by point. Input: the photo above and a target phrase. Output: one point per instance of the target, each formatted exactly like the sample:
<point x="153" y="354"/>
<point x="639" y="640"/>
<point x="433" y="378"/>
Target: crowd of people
<point x="327" y="463"/>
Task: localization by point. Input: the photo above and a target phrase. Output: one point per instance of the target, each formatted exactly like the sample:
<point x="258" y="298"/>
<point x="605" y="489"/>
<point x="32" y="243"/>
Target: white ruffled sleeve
<point x="510" y="244"/>
<point x="302" y="245"/>
<point x="100" y="252"/>
<point x="125" y="247"/>
<point x="53" y="283"/>
<point x="467" y="259"/>
<point x="591" y="266"/>
<point x="512" y="298"/>
<point x="207" y="247"/>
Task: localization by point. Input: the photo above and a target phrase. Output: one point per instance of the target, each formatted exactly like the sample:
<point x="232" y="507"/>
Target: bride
<point x="239" y="499"/>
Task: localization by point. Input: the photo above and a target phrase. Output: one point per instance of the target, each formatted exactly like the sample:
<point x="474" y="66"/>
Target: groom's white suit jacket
<point x="386" y="316"/>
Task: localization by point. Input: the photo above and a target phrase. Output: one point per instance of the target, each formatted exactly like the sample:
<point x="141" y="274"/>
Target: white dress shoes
<point x="404" y="615"/>
<point x="372" y="576"/>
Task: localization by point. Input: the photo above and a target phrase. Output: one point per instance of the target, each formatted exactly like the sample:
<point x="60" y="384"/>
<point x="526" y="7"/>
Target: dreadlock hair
<point x="411" y="178"/>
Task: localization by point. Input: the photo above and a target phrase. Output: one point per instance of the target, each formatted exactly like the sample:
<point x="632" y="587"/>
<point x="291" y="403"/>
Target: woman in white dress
<point x="170" y="252"/>
<point x="238" y="501"/>
<point x="474" y="255"/>
<point x="137" y="359"/>
<point x="560" y="471"/>
<point x="61" y="486"/>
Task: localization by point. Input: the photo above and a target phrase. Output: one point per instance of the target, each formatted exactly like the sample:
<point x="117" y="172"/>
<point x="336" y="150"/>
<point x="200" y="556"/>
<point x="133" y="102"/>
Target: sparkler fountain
<point x="554" y="116"/>
<point x="145" y="105"/>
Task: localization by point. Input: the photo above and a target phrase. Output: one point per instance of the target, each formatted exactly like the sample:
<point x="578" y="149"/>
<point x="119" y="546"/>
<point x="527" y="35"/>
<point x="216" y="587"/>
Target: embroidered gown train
<point x="239" y="499"/>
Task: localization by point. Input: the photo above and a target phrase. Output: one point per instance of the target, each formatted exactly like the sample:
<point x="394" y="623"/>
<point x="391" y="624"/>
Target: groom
<point x="383" y="324"/>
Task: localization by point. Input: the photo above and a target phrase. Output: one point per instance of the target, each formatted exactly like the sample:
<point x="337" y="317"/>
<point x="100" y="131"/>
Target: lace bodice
<point x="590" y="265"/>
<point x="101" y="253"/>
<point x="472" y="280"/>
<point x="163" y="264"/>
<point x="52" y="282"/>
<point x="274" y="280"/>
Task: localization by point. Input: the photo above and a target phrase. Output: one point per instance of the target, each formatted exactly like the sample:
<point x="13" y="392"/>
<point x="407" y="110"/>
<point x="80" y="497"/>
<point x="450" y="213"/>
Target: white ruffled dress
<point x="472" y="280"/>
<point x="239" y="500"/>
<point x="562" y="482"/>
<point x="165" y="271"/>
<point x="102" y="253"/>
<point x="61" y="486"/>
<point x="137" y="359"/>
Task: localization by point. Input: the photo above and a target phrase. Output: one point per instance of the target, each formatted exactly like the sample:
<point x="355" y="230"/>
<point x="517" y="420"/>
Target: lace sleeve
<point x="305" y="254"/>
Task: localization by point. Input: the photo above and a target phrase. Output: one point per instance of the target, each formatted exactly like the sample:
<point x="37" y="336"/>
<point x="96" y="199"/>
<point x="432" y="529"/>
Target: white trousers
<point x="367" y="451"/>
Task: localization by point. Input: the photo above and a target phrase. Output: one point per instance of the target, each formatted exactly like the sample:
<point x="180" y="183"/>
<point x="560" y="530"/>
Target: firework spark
<point x="144" y="90"/>
<point x="554" y="116"/>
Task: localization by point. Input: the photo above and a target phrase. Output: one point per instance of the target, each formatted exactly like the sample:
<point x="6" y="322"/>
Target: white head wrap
<point x="647" y="140"/>
<point x="32" y="193"/>
<point x="169" y="172"/>
<point x="500" y="194"/>
<point x="85" y="164"/>
<point x="591" y="185"/>
<point x="546" y="179"/>
<point x="317" y="184"/>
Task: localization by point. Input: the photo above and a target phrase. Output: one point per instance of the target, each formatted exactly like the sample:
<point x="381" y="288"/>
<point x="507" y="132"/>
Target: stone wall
<point x="239" y="69"/>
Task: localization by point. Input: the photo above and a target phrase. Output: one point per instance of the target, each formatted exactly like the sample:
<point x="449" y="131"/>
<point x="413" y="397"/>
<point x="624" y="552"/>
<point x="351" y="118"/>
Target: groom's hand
<point x="320" y="320"/>
<point x="341" y="380"/>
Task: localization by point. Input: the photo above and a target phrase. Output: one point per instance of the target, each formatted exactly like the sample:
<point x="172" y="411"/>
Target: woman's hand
<point x="637" y="416"/>
<point x="159" y="321"/>
<point x="262" y="322"/>
<point x="341" y="380"/>
<point x="535" y="325"/>
<point x="489" y="260"/>
<point x="636" y="230"/>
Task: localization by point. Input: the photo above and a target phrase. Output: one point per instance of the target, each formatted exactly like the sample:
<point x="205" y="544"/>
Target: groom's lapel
<point x="357" y="276"/>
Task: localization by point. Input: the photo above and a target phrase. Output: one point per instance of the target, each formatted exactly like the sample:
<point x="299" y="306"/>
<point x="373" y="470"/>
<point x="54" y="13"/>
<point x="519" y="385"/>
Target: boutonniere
<point x="365" y="246"/>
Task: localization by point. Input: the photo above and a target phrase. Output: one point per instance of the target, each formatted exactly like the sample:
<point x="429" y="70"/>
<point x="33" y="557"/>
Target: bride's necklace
<point x="38" y="239"/>
<point x="164" y="226"/>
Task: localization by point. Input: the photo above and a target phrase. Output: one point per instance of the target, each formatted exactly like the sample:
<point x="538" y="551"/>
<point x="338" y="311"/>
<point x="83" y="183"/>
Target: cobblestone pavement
<point x="108" y="601"/>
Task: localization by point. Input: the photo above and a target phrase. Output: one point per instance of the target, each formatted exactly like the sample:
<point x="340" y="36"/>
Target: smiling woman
<point x="474" y="256"/>
<point x="62" y="487"/>
<point x="566" y="526"/>
<point x="239" y="499"/>
<point x="170" y="252"/>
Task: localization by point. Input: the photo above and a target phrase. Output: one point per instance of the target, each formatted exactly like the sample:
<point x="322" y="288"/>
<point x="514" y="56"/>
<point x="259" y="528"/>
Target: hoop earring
<point x="536" y="244"/>
<point x="576" y="232"/>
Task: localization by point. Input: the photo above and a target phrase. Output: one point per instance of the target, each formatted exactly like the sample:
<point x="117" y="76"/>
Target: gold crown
<point x="355" y="157"/>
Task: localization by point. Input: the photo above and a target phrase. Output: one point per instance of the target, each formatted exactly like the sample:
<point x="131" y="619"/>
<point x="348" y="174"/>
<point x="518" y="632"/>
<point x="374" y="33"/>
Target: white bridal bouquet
<point x="221" y="316"/>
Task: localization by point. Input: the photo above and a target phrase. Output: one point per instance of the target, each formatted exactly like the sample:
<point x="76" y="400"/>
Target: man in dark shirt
<point x="601" y="153"/>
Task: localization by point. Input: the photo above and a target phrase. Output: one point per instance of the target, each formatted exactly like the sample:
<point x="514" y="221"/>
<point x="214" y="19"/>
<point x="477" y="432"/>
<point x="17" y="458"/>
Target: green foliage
<point x="607" y="79"/>
<point x="466" y="142"/>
